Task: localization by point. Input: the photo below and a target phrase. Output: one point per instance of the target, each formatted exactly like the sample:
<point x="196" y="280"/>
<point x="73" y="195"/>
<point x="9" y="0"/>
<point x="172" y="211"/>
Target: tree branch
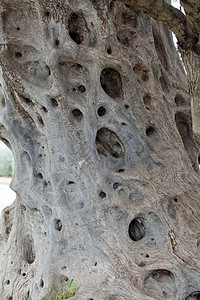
<point x="173" y="18"/>
<point x="192" y="8"/>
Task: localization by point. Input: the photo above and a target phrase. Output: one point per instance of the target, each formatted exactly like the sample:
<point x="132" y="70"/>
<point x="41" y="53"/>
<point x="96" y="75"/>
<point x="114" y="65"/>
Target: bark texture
<point x="97" y="115"/>
<point x="187" y="30"/>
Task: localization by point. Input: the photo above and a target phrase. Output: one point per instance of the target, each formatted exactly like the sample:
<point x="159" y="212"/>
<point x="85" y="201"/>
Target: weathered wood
<point x="97" y="114"/>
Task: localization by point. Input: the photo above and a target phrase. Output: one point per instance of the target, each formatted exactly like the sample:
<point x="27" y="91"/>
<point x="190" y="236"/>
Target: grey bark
<point x="97" y="114"/>
<point x="187" y="30"/>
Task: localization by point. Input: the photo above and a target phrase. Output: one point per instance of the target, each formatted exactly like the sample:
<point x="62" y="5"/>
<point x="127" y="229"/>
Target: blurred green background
<point x="6" y="161"/>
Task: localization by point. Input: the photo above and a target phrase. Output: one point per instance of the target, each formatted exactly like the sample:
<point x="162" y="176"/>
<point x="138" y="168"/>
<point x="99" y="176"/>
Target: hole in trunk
<point x="41" y="283"/>
<point x="77" y="27"/>
<point x="57" y="42"/>
<point x="160" y="283"/>
<point x="182" y="126"/>
<point x="193" y="296"/>
<point x="101" y="111"/>
<point x="179" y="100"/>
<point x="150" y="131"/>
<point x="54" y="102"/>
<point x="77" y="114"/>
<point x="102" y="194"/>
<point x="109" y="50"/>
<point x="18" y="55"/>
<point x="115" y="185"/>
<point x="58" y="224"/>
<point x="26" y="100"/>
<point x="136" y="229"/>
<point x="108" y="143"/>
<point x="70" y="182"/>
<point x="29" y="250"/>
<point x="120" y="170"/>
<point x="111" y="83"/>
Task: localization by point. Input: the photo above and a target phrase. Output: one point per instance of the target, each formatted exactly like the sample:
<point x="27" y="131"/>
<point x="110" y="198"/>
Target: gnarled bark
<point x="97" y="115"/>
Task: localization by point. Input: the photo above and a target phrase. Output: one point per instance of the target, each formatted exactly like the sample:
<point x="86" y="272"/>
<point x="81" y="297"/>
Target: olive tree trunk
<point x="96" y="112"/>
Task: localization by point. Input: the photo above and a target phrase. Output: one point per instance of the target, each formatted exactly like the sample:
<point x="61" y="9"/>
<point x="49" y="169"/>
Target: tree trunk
<point x="192" y="64"/>
<point x="97" y="115"/>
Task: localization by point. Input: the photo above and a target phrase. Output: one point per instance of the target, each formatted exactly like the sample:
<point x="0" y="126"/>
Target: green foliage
<point x="65" y="291"/>
<point x="27" y="297"/>
<point x="6" y="162"/>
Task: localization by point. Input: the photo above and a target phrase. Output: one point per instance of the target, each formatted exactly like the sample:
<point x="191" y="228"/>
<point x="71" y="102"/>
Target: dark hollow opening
<point x="54" y="102"/>
<point x="39" y="175"/>
<point x="42" y="283"/>
<point x="81" y="88"/>
<point x="111" y="83"/>
<point x="77" y="114"/>
<point x="77" y="27"/>
<point x="58" y="224"/>
<point x="108" y="143"/>
<point x="115" y="185"/>
<point x="57" y="42"/>
<point x="102" y="194"/>
<point x="109" y="50"/>
<point x="182" y="126"/>
<point x="18" y="55"/>
<point x="44" y="109"/>
<point x="26" y="100"/>
<point x="101" y="111"/>
<point x="193" y="296"/>
<point x="120" y="170"/>
<point x="136" y="229"/>
<point x="150" y="131"/>
<point x="179" y="100"/>
<point x="70" y="182"/>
